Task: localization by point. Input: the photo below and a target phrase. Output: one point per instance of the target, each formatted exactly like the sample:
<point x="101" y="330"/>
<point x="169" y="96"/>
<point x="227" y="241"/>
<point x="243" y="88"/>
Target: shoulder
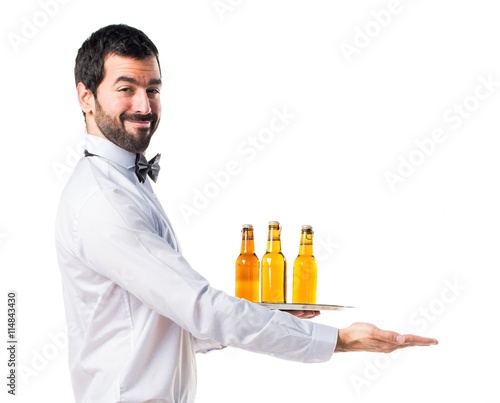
<point x="99" y="184"/>
<point x="86" y="180"/>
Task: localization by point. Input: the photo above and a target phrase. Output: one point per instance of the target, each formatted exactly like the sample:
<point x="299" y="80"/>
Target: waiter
<point x="138" y="311"/>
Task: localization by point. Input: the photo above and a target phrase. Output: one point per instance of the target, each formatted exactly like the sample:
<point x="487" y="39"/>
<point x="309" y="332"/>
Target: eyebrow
<point x="153" y="81"/>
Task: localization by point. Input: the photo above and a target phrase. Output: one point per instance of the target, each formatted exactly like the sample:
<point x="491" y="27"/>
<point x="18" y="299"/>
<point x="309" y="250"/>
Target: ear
<point x="85" y="98"/>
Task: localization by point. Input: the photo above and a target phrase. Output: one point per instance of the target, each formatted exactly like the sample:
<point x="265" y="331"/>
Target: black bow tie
<point x="143" y="167"/>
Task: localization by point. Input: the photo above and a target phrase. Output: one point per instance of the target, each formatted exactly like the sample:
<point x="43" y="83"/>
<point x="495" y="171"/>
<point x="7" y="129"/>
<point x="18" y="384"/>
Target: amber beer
<point x="247" y="267"/>
<point x="273" y="267"/>
<point x="305" y="270"/>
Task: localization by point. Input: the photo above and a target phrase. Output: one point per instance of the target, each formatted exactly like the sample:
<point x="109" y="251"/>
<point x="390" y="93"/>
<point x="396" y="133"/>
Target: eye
<point x="153" y="90"/>
<point x="125" y="89"/>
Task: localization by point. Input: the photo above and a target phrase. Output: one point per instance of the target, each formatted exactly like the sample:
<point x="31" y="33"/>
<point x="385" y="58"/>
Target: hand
<point x="368" y="337"/>
<point x="303" y="314"/>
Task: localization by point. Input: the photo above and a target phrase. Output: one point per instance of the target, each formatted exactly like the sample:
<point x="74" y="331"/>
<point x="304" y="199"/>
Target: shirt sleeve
<point x="116" y="238"/>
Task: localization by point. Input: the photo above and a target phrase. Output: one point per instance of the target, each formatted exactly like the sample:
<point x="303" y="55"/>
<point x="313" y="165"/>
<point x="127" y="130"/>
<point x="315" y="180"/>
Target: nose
<point x="141" y="103"/>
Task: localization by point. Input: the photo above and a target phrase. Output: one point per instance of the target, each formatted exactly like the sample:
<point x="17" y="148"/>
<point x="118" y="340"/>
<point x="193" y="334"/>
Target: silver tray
<point x="305" y="307"/>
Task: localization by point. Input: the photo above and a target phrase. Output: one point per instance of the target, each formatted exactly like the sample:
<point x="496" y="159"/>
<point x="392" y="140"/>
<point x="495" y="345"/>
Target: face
<point x="127" y="106"/>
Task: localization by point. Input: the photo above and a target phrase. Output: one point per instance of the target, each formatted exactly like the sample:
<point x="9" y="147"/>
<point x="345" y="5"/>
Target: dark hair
<point x="120" y="40"/>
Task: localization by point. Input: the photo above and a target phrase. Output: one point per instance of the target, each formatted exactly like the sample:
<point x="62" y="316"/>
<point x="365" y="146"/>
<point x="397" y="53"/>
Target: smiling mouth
<point x="138" y="120"/>
<point x="140" y="123"/>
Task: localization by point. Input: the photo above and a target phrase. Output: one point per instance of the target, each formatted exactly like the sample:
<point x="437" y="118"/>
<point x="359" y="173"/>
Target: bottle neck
<point x="247" y="244"/>
<point x="306" y="243"/>
<point x="273" y="240"/>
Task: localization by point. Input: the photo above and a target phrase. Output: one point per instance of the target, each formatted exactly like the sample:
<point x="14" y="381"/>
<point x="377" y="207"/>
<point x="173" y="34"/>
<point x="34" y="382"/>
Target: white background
<point x="422" y="257"/>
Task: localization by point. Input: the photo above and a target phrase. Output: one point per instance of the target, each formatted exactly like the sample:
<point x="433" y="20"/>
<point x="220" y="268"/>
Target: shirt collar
<point x="110" y="151"/>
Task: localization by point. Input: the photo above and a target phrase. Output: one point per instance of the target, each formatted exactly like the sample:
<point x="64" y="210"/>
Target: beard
<point x="116" y="132"/>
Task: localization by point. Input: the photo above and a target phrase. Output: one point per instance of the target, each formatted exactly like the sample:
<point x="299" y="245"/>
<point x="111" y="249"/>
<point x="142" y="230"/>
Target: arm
<point x="122" y="245"/>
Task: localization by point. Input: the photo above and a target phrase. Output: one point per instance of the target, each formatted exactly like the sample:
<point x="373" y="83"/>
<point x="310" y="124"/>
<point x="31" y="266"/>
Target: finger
<point x="388" y="336"/>
<point x="310" y="314"/>
<point x="296" y="313"/>
<point x="414" y="340"/>
<point x="303" y="314"/>
<point x="407" y="339"/>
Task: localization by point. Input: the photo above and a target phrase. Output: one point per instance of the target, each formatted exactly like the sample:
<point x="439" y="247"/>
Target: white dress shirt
<point x="136" y="311"/>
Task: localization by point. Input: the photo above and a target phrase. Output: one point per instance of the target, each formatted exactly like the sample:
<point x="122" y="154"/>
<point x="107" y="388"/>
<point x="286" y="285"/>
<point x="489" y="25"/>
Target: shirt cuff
<point x="324" y="340"/>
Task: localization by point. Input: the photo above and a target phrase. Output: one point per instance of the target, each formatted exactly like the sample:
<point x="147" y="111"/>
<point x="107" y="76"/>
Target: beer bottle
<point x="305" y="270"/>
<point x="273" y="267"/>
<point x="247" y="267"/>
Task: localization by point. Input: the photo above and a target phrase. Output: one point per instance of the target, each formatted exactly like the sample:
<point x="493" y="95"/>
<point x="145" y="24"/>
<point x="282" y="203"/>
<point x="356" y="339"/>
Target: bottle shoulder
<point x="273" y="253"/>
<point x="305" y="260"/>
<point x="247" y="256"/>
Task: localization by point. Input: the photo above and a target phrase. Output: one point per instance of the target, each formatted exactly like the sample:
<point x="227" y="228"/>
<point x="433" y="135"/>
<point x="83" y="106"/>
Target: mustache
<point x="150" y="117"/>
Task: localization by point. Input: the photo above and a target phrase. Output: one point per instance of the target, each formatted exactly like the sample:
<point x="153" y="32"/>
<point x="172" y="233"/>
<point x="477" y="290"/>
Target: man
<point x="136" y="311"/>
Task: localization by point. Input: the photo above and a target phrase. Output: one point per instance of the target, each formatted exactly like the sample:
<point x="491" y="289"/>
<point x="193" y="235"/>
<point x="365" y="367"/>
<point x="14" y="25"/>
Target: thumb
<point x="400" y="339"/>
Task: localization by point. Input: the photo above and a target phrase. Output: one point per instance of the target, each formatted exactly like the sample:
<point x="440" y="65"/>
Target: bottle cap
<point x="274" y="223"/>
<point x="307" y="227"/>
<point x="249" y="226"/>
